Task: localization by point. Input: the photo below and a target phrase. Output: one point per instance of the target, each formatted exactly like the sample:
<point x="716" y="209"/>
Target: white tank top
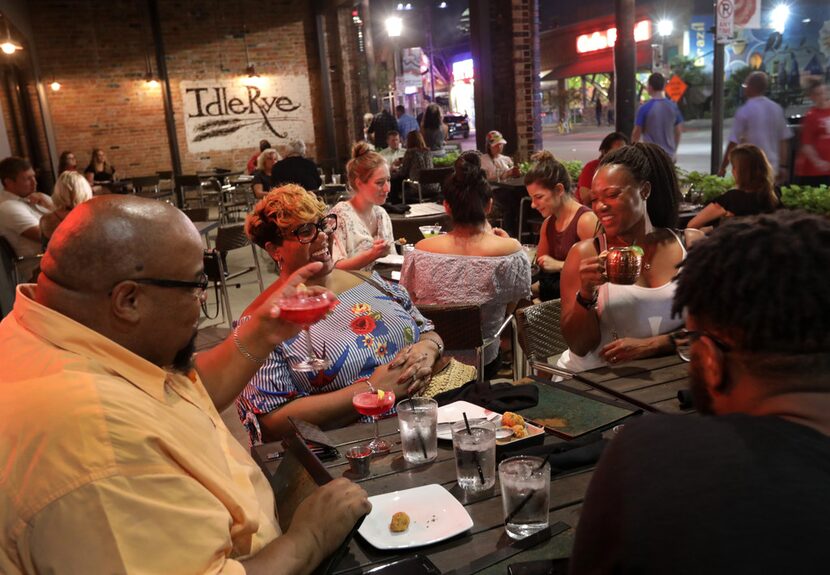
<point x="627" y="311"/>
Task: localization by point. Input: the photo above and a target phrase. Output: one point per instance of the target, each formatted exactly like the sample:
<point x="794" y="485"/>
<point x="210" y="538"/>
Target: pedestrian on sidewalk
<point x="659" y="120"/>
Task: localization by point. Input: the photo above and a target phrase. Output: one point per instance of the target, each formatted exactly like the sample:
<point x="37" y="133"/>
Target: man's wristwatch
<point x="588" y="304"/>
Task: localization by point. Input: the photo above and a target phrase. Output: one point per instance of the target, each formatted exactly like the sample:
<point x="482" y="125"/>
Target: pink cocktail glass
<point x="305" y="309"/>
<point x="373" y="404"/>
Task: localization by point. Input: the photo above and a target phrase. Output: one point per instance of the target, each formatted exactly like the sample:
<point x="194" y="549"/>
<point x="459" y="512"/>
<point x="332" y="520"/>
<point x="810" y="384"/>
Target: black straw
<point x="418" y="432"/>
<point x="475" y="455"/>
<point x="527" y="497"/>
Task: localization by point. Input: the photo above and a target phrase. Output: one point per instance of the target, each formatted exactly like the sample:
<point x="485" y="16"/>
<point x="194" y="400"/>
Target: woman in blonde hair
<point x="566" y="220"/>
<point x="71" y="189"/>
<point x="375" y="334"/>
<point x="754" y="191"/>
<point x="364" y="230"/>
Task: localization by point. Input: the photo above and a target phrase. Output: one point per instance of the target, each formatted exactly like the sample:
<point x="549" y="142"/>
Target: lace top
<point x="352" y="236"/>
<point x="491" y="282"/>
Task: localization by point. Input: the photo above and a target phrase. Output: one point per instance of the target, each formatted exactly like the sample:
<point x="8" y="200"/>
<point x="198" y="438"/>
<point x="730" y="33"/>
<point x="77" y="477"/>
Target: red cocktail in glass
<point x="373" y="404"/>
<point x="304" y="308"/>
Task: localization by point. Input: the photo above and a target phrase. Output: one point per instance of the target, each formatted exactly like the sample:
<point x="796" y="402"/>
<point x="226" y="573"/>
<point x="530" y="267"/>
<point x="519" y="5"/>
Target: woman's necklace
<point x="369" y="219"/>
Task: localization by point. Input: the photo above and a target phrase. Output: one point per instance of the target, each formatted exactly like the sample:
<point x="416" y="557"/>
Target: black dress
<point x="741" y="203"/>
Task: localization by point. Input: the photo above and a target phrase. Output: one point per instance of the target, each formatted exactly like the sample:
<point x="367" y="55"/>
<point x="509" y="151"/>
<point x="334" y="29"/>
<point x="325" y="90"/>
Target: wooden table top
<point x="655" y="381"/>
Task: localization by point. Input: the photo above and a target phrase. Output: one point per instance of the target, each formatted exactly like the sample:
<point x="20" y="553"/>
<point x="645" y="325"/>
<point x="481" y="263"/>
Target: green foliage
<point x="574" y="168"/>
<point x="524" y="167"/>
<point x="814" y="199"/>
<point x="701" y="187"/>
<point x="446" y="160"/>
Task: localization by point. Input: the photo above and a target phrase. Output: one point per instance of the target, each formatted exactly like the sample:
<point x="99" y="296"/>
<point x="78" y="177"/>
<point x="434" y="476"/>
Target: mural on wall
<point x="229" y="114"/>
<point x="802" y="50"/>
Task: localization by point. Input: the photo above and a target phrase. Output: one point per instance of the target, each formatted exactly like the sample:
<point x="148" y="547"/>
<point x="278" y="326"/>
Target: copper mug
<point x="623" y="264"/>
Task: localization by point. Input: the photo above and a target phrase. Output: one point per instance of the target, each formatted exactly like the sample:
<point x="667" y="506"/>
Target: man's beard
<point x="183" y="361"/>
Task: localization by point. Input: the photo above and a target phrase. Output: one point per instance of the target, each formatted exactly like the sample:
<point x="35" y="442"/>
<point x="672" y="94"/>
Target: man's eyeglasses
<point x="684" y="338"/>
<point x="307" y="233"/>
<point x="200" y="285"/>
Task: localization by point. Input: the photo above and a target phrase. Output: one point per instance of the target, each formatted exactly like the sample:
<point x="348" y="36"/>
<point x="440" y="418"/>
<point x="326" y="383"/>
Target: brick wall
<point x="98" y="55"/>
<point x="526" y="67"/>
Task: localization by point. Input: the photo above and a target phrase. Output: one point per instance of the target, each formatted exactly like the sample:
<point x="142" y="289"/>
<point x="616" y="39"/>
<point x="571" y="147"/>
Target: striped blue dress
<point x="364" y="331"/>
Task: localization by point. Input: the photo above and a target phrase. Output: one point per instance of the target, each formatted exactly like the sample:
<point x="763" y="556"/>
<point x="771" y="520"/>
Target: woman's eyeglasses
<point x="307" y="233"/>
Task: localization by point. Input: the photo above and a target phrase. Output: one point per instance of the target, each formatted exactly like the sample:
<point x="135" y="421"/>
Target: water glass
<point x="475" y="454"/>
<point x="335" y="178"/>
<point x="418" y="421"/>
<point x="525" y="495"/>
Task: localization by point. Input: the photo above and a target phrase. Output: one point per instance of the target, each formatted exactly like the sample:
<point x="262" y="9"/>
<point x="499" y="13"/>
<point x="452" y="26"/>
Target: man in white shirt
<point x="393" y="150"/>
<point x="760" y="121"/>
<point x="21" y="208"/>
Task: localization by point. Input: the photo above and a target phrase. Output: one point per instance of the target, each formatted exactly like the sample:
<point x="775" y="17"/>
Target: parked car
<point x="457" y="125"/>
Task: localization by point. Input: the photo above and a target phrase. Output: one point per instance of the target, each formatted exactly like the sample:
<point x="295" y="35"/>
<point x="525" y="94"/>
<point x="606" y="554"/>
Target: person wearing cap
<point x="494" y="163"/>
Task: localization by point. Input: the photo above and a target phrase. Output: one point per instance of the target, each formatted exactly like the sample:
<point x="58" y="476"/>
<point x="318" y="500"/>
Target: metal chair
<point x="460" y="328"/>
<point x="14" y="270"/>
<point x="146" y="186"/>
<point x="538" y="332"/>
<point x="197" y="214"/>
<point x="191" y="190"/>
<point x="228" y="238"/>
<point x="428" y="176"/>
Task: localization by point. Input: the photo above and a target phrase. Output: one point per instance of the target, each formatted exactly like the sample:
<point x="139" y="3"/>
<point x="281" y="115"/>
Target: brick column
<point x="505" y="43"/>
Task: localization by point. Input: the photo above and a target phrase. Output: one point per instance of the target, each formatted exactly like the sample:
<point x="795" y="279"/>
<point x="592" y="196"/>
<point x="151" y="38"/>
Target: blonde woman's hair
<point x="364" y="161"/>
<point x="70" y="190"/>
<point x="280" y="212"/>
<point x="260" y="161"/>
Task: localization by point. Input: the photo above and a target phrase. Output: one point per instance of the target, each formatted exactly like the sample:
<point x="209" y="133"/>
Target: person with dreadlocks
<point x="635" y="196"/>
<point x="744" y="488"/>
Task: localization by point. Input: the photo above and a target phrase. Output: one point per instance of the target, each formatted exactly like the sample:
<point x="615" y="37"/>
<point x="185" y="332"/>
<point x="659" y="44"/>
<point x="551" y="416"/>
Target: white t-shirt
<point x="761" y="122"/>
<point x="496" y="167"/>
<point x="17" y="216"/>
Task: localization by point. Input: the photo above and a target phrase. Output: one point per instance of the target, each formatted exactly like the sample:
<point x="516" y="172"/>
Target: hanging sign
<point x="233" y="114"/>
<point x="725" y="20"/>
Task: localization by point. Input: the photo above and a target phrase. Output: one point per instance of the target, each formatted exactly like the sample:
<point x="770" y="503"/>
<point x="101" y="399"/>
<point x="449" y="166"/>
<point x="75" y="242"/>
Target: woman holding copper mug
<point x="635" y="196"/>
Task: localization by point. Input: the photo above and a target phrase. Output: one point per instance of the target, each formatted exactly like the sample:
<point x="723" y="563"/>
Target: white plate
<point x="453" y="412"/>
<point x="390" y="260"/>
<point x="434" y="515"/>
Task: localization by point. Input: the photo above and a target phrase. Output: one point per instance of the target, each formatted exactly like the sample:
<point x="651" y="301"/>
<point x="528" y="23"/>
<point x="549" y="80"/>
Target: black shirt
<point x="381" y="125"/>
<point x="261" y="177"/>
<point x="743" y="203"/>
<point x="725" y="494"/>
<point x="296" y="170"/>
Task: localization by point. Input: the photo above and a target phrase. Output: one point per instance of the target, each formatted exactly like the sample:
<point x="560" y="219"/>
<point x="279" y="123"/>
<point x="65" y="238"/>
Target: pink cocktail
<point x="373" y="404"/>
<point x="304" y="311"/>
<point x="304" y="308"/>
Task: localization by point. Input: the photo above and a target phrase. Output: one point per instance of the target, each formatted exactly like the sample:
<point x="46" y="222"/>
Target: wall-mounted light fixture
<point x="149" y="78"/>
<point x="9" y="46"/>
<point x="55" y="85"/>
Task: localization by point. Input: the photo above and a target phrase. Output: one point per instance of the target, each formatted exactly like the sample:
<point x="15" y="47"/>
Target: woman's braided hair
<point x="649" y="163"/>
<point x="762" y="280"/>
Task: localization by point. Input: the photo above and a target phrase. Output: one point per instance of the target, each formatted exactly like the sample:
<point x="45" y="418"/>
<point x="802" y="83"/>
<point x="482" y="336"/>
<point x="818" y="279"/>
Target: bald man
<point x="114" y="456"/>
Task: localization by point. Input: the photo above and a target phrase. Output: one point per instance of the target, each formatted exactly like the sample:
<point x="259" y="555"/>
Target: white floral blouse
<point x="352" y="236"/>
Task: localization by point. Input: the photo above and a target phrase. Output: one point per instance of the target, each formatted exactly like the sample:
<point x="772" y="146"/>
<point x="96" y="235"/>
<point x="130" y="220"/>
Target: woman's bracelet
<point x="365" y="380"/>
<point x="438" y="346"/>
<point x="245" y="353"/>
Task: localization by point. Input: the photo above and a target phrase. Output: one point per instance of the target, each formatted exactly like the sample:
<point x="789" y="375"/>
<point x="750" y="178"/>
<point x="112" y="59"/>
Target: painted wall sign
<point x="231" y="114"/>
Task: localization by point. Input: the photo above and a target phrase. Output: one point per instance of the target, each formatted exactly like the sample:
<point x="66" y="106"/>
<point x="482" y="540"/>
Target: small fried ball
<point x="399" y="523"/>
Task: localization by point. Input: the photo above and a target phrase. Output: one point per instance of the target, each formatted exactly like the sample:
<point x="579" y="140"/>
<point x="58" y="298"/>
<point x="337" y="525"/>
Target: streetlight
<point x="665" y="27"/>
<point x="394" y="26"/>
<point x="778" y="17"/>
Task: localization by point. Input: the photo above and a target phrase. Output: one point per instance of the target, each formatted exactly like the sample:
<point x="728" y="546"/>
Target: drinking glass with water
<point x="475" y="454"/>
<point x="525" y="494"/>
<point x="418" y="420"/>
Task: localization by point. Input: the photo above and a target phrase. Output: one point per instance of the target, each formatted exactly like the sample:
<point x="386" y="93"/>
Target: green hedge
<point x="815" y="199"/>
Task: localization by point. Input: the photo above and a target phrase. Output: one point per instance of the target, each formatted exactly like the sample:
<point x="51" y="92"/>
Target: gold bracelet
<point x="245" y="353"/>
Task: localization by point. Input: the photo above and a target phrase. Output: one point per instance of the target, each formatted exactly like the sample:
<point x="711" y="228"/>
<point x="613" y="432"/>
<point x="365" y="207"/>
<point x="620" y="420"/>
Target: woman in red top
<point x="812" y="165"/>
<point x="566" y="220"/>
<point x="610" y="142"/>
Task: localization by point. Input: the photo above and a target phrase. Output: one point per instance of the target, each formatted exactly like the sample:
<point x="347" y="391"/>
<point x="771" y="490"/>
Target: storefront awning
<point x="597" y="63"/>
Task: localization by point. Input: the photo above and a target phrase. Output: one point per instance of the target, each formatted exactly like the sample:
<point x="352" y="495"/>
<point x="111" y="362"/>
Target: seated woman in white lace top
<point x="471" y="263"/>
<point x="364" y="230"/>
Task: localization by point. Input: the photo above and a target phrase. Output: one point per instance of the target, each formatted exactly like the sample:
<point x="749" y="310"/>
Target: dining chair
<point x="147" y="186"/>
<point x="427" y="177"/>
<point x="539" y="333"/>
<point x="228" y="238"/>
<point x="460" y="328"/>
<point x="528" y="223"/>
<point x="191" y="189"/>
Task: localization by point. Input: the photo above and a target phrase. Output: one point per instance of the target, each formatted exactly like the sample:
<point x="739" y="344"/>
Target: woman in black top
<point x="99" y="170"/>
<point x="262" y="182"/>
<point x="754" y="191"/>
